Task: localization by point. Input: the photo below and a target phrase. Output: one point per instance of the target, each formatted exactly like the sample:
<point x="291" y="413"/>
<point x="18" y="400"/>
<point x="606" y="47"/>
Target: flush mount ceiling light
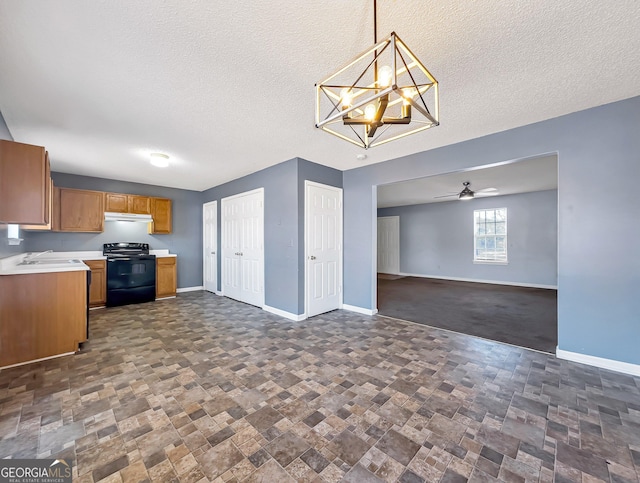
<point x="158" y="159"/>
<point x="381" y="95"/>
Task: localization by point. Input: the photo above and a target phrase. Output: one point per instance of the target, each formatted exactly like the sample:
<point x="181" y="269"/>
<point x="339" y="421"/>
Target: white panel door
<point x="323" y="247"/>
<point x="230" y="239"/>
<point x="210" y="246"/>
<point x="243" y="247"/>
<point x="252" y="249"/>
<point x="389" y="244"/>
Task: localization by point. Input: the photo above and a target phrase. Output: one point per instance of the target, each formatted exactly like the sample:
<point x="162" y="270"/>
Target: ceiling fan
<point x="467" y="194"/>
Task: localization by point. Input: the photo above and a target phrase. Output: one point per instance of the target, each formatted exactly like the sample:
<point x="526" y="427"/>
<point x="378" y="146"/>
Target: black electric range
<point x="131" y="273"/>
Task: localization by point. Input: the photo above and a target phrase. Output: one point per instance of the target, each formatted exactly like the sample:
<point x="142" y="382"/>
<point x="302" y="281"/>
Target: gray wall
<point x="283" y="225"/>
<point x="7" y="250"/>
<point x="280" y="229"/>
<point x="436" y="239"/>
<point x="599" y="219"/>
<point x="185" y="240"/>
<point x="4" y="130"/>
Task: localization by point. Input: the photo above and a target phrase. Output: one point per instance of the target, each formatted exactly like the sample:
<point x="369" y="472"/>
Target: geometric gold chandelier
<point x="382" y="95"/>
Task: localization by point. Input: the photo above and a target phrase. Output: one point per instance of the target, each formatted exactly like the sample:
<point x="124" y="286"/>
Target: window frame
<point x="476" y="237"/>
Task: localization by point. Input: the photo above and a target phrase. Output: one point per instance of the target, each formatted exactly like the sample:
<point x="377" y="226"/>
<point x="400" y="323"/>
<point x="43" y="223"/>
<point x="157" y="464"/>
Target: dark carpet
<point x="526" y="317"/>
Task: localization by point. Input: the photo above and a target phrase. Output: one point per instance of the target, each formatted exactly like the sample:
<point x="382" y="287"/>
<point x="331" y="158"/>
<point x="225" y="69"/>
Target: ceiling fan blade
<point x="485" y="190"/>
<point x="485" y="194"/>
<point x="446" y="196"/>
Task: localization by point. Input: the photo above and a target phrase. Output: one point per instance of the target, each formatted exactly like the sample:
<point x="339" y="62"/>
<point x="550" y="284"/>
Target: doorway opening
<point x="484" y="266"/>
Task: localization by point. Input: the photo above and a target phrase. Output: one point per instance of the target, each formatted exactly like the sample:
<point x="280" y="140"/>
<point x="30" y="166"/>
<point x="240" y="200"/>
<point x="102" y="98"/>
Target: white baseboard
<point x="218" y="292"/>
<point x="165" y="298"/>
<point x="475" y="280"/>
<point x="624" y="367"/>
<point x="359" y="310"/>
<point x="189" y="289"/>
<point x="283" y="313"/>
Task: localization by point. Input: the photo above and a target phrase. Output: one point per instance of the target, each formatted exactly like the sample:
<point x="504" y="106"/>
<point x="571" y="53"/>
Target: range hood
<point x="111" y="216"/>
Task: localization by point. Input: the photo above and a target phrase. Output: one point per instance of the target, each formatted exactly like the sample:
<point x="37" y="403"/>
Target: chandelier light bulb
<point x="346" y="96"/>
<point x="370" y="112"/>
<point x="407" y="95"/>
<point x="384" y="76"/>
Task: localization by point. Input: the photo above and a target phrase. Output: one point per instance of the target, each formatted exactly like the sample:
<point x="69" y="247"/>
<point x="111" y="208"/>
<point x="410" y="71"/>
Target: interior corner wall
<point x="308" y="171"/>
<point x="7" y="250"/>
<point x="436" y="239"/>
<point x="185" y="239"/>
<point x="280" y="229"/>
<point x="598" y="229"/>
<point x="4" y="130"/>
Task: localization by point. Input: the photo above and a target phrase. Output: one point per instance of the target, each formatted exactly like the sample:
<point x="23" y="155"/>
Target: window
<point x="490" y="235"/>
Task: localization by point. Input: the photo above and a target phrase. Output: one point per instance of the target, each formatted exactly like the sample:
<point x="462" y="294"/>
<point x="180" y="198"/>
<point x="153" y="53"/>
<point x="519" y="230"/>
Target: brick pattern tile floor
<point x="202" y="388"/>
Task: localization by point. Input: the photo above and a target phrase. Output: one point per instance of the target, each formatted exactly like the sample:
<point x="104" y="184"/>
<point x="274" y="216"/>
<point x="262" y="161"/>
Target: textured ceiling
<point x="227" y="88"/>
<point x="534" y="174"/>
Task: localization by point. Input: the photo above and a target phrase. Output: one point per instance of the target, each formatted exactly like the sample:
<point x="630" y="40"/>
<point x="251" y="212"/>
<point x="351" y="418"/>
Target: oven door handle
<point x="117" y="259"/>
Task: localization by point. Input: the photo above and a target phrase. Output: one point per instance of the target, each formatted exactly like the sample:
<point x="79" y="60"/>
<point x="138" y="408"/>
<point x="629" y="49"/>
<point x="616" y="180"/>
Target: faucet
<point x="31" y="256"/>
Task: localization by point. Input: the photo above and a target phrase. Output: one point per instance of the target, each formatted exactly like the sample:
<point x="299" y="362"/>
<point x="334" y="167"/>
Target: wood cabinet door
<point x="139" y="204"/>
<point x="98" y="287"/>
<point x="43" y="315"/>
<point x="161" y="213"/>
<point x="50" y="210"/>
<point x="81" y="210"/>
<point x="116" y="203"/>
<point x="166" y="277"/>
<point x="55" y="208"/>
<point x="24" y="184"/>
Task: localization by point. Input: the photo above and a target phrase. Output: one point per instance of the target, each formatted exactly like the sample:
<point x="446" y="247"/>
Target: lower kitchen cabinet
<point x="98" y="287"/>
<point x="166" y="277"/>
<point x="41" y="315"/>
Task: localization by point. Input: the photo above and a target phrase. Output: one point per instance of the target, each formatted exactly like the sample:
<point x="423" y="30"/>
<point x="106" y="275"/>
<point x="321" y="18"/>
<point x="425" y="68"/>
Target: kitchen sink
<point x="50" y="262"/>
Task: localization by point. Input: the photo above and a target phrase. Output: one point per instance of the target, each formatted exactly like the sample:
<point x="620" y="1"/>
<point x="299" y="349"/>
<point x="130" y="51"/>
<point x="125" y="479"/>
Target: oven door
<point x="130" y="280"/>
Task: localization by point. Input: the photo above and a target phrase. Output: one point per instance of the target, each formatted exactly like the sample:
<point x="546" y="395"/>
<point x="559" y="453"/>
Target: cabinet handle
<point x="312" y="257"/>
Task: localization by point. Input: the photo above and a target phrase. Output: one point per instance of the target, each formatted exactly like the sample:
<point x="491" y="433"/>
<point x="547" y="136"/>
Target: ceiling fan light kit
<point x="466" y="193"/>
<point x="382" y="95"/>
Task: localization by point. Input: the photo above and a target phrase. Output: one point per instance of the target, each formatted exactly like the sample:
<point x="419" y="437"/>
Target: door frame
<point x="397" y="253"/>
<point x="220" y="247"/>
<point x="308" y="183"/>
<point x="204" y="248"/>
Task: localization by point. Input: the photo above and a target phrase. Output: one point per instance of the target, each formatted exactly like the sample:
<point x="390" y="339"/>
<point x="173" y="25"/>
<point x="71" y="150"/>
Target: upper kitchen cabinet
<point x="81" y="210"/>
<point x="122" y="203"/>
<point x="161" y="214"/>
<point x="116" y="203"/>
<point x="139" y="204"/>
<point x="25" y="184"/>
<point x="50" y="210"/>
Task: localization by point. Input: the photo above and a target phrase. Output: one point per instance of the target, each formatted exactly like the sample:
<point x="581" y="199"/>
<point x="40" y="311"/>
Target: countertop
<point x="58" y="262"/>
<point x="12" y="265"/>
